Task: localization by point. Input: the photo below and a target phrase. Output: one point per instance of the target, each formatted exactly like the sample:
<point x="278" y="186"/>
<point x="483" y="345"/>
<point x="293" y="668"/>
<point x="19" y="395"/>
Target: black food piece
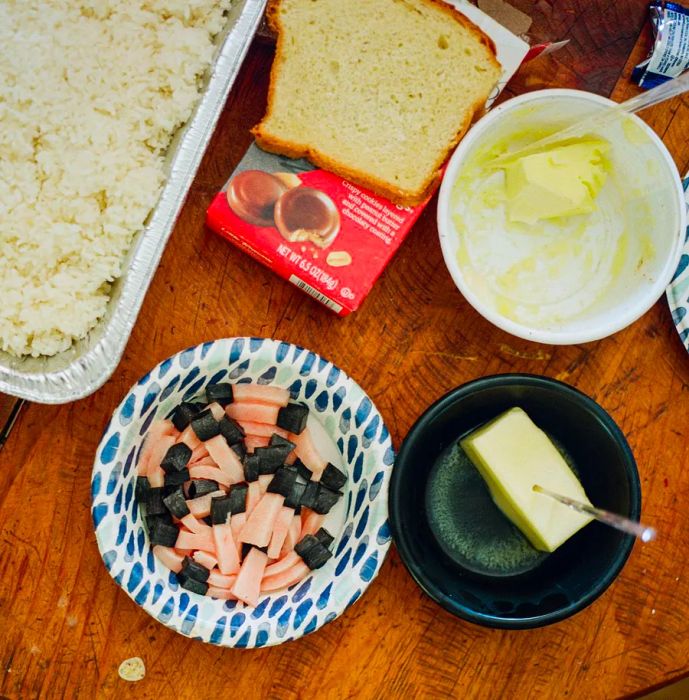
<point x="169" y="488"/>
<point x="220" y="393"/>
<point x="191" y="584"/>
<point x="293" y="417"/>
<point x="164" y="517"/>
<point x="251" y="467"/>
<point x="231" y="430"/>
<point x="200" y="487"/>
<point x="308" y="498"/>
<point x="183" y="415"/>
<point x="205" y="426"/>
<point x="237" y="498"/>
<point x="240" y="449"/>
<point x="284" y="480"/>
<point x="246" y="548"/>
<point x="305" y="544"/>
<point x="293" y="499"/>
<point x="176" y="478"/>
<point x="221" y="508"/>
<point x="176" y="458"/>
<point x="193" y="569"/>
<point x="303" y="471"/>
<point x="324" y="537"/>
<point x="312" y="551"/>
<point x="141" y="488"/>
<point x="316" y="556"/>
<point x="153" y="502"/>
<point x="161" y="531"/>
<point x="270" y="459"/>
<point x="285" y="445"/>
<point x="176" y="503"/>
<point x="325" y="499"/>
<point x="333" y="478"/>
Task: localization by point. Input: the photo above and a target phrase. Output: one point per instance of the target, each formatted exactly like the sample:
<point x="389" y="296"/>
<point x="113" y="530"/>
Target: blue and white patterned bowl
<point x="346" y="413"/>
<point x="678" y="291"/>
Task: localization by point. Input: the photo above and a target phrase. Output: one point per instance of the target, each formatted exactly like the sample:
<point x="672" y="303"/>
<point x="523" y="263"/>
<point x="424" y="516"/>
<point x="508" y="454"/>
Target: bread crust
<point x="402" y="197"/>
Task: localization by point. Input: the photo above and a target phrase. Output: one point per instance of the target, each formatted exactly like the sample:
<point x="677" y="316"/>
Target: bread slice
<point x="377" y="91"/>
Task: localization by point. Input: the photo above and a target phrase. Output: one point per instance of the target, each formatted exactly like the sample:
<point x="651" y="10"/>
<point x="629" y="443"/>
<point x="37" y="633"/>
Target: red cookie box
<point x="325" y="235"/>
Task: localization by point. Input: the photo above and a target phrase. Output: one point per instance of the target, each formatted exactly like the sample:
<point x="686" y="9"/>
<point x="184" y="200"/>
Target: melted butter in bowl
<point x="568" y="245"/>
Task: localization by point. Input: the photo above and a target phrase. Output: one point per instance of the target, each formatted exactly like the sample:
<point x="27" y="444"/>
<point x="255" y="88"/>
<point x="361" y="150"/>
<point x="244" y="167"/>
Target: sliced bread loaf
<point x="377" y="91"/>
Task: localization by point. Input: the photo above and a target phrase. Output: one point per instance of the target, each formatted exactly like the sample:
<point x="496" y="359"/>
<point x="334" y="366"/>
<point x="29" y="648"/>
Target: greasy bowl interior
<point x="568" y="579"/>
<point x="362" y="536"/>
<point x="580" y="278"/>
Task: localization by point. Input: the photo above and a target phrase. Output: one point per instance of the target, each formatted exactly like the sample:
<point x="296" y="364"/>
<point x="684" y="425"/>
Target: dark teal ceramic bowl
<point x="557" y="585"/>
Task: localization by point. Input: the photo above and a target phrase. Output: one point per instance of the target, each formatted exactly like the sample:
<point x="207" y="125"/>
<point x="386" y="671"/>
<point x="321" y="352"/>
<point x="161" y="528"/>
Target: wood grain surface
<point x="65" y="626"/>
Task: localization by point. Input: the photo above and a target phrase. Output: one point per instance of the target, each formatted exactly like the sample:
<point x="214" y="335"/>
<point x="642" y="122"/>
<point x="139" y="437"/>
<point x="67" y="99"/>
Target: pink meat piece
<point x="253" y="496"/>
<point x="260" y="393"/>
<point x="287" y="562"/>
<point x="310" y="522"/>
<point x="237" y="522"/>
<point x="251" y="427"/>
<point x="220" y="593"/>
<point x="157" y="430"/>
<point x="282" y="526"/>
<point x="188" y="437"/>
<point x="217" y="411"/>
<point x="204" y="462"/>
<point x="254" y="441"/>
<point x="226" y="458"/>
<point x="247" y="587"/>
<point x="184" y="552"/>
<point x="286" y="578"/>
<point x="168" y="557"/>
<point x="259" y="412"/>
<point x="205" y="559"/>
<point x="291" y="457"/>
<point x="201" y="507"/>
<point x="263" y="482"/>
<point x="156" y="477"/>
<point x="158" y="451"/>
<point x="192" y="540"/>
<point x="200" y="471"/>
<point x="198" y="453"/>
<point x="292" y="536"/>
<point x="194" y="525"/>
<point x="215" y="578"/>
<point x="259" y="525"/>
<point x="308" y="454"/>
<point x="225" y="549"/>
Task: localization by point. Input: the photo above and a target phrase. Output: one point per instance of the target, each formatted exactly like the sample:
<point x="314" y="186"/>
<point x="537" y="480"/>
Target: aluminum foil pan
<point x="86" y="366"/>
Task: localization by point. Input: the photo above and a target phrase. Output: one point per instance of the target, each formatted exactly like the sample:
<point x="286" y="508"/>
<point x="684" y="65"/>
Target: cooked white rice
<point x="91" y="93"/>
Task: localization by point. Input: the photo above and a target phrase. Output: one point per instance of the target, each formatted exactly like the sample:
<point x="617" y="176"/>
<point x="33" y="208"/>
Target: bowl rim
<point x="627" y="314"/>
<point x="402" y="542"/>
<point x="376" y="535"/>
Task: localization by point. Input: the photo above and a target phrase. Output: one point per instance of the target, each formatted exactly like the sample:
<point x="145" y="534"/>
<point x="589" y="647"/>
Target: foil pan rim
<point x="84" y="367"/>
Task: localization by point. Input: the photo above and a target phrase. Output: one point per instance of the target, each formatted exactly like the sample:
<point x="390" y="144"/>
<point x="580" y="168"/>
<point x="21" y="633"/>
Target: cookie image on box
<point x="307" y="214"/>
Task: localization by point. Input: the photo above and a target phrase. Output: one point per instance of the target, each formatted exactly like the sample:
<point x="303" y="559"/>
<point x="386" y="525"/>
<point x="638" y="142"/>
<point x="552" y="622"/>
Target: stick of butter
<point x="513" y="454"/>
<point x="561" y="181"/>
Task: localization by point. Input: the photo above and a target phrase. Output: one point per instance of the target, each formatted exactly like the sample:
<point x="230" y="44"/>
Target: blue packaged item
<point x="670" y="55"/>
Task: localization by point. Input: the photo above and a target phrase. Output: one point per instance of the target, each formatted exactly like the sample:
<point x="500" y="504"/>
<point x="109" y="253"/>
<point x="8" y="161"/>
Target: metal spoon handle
<point x="631" y="527"/>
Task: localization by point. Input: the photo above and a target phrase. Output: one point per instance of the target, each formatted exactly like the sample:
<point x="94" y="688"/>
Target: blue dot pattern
<point x="678" y="291"/>
<point x="359" y="548"/>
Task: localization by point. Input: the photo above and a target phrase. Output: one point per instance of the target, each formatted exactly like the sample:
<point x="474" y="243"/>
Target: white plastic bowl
<point x="652" y="209"/>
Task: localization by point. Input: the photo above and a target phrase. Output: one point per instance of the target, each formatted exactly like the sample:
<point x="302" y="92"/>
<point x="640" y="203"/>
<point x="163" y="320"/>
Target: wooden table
<point x="64" y="624"/>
